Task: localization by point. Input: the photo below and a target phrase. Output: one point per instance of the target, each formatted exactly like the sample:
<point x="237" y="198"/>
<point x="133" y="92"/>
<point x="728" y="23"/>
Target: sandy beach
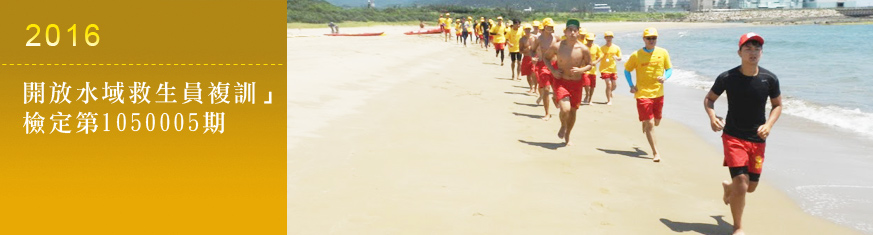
<point x="402" y="134"/>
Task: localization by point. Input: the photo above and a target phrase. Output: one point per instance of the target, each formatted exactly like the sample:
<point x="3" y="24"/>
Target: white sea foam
<point x="851" y="119"/>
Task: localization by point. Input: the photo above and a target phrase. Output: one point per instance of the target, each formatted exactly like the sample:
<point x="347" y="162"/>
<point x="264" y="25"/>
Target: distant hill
<point x="363" y="3"/>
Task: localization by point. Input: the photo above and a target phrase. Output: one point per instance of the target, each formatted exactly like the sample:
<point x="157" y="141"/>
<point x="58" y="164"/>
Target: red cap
<point x="751" y="36"/>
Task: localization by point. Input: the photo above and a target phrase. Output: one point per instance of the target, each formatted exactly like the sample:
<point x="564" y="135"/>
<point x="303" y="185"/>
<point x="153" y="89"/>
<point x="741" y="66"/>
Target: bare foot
<point x="739" y="231"/>
<point x="657" y="158"/>
<point x="547" y="117"/>
<point x="561" y="133"/>
<point x="727" y="192"/>
<point x="567" y="143"/>
<point x="609" y="103"/>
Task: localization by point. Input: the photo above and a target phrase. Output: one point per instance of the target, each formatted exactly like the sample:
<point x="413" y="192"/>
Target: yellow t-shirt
<point x="442" y="21"/>
<point x="649" y="66"/>
<point x="514" y="37"/>
<point x="458" y="27"/>
<point x="499" y="31"/>
<point x="596" y="53"/>
<point x="607" y="65"/>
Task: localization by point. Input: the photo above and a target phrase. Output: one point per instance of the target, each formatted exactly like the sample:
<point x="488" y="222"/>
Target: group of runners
<point x="562" y="70"/>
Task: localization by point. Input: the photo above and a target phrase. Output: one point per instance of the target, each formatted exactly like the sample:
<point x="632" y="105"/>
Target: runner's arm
<point x="630" y="81"/>
<point x="709" y="105"/>
<point x="668" y="73"/>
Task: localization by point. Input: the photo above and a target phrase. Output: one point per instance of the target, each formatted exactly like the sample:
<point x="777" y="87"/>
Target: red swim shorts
<point x="608" y="76"/>
<point x="589" y="80"/>
<point x="740" y="153"/>
<point x="499" y="46"/>
<point x="544" y="75"/>
<point x="525" y="66"/>
<point x="447" y="31"/>
<point x="570" y="88"/>
<point x="649" y="108"/>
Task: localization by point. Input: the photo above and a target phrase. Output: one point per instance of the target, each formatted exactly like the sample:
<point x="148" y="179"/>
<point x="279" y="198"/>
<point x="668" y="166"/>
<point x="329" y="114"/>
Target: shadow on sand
<point x="638" y="153"/>
<point x="722" y="227"/>
<point x="552" y="146"/>
<point x="528" y="115"/>
<point x="516" y="93"/>
<point x="530" y="105"/>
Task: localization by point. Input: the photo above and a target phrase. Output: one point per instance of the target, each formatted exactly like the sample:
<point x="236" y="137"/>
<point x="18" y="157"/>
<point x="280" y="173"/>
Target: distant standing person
<point x="513" y="38"/>
<point x="499" y="33"/>
<point x="447" y="26"/>
<point x="611" y="54"/>
<point x="746" y="128"/>
<point x="334" y="29"/>
<point x="653" y="68"/>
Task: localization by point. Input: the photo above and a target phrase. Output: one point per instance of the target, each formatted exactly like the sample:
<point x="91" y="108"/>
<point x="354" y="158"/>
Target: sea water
<point x="820" y="152"/>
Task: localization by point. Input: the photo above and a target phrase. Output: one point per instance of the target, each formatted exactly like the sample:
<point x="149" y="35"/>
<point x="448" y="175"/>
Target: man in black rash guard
<point x="746" y="128"/>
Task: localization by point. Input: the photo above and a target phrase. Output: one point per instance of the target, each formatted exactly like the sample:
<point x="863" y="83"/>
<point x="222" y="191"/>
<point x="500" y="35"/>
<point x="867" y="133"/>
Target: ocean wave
<point x="851" y="119"/>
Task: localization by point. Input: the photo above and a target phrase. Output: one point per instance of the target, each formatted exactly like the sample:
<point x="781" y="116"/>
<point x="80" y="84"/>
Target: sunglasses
<point x="651" y="38"/>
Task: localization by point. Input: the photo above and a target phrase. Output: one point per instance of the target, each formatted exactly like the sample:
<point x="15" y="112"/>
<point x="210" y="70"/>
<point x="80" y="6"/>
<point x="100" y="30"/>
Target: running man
<point x="573" y="60"/>
<point x="526" y="66"/>
<point x="653" y="68"/>
<point x="746" y="129"/>
<point x="544" y="76"/>
<point x="590" y="80"/>
<point x="458" y="25"/>
<point x="537" y="27"/>
<point x="465" y="30"/>
<point x="513" y="38"/>
<point x="498" y="31"/>
<point x="611" y="53"/>
<point x="486" y="29"/>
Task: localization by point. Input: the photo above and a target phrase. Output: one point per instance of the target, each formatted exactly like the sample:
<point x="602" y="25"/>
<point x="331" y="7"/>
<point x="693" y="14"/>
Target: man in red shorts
<point x="541" y="44"/>
<point x="653" y="68"/>
<point x="499" y="32"/>
<point x="526" y="66"/>
<point x="611" y="54"/>
<point x="447" y="29"/>
<point x="590" y="77"/>
<point x="573" y="60"/>
<point x="746" y="128"/>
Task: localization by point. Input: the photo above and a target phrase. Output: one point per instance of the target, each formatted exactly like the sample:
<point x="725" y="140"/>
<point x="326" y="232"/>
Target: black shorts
<point x="744" y="170"/>
<point x="515" y="56"/>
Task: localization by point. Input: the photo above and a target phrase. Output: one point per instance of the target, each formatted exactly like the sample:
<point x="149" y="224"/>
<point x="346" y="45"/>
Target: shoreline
<point x="381" y="182"/>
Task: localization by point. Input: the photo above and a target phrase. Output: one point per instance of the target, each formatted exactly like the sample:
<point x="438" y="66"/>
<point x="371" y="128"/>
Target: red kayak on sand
<point x="429" y="31"/>
<point x="355" y="34"/>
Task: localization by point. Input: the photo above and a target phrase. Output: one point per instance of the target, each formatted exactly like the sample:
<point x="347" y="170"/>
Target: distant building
<point x="701" y="5"/>
<point x="771" y="4"/>
<point x="602" y="8"/>
<point x="829" y="4"/>
<point x="665" y="5"/>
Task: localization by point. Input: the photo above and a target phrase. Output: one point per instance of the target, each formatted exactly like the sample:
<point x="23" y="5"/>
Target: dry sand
<point x="412" y="135"/>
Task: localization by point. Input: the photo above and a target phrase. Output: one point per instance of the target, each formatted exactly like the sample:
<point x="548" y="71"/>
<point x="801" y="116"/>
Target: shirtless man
<point x="544" y="75"/>
<point x="526" y="66"/>
<point x="573" y="60"/>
